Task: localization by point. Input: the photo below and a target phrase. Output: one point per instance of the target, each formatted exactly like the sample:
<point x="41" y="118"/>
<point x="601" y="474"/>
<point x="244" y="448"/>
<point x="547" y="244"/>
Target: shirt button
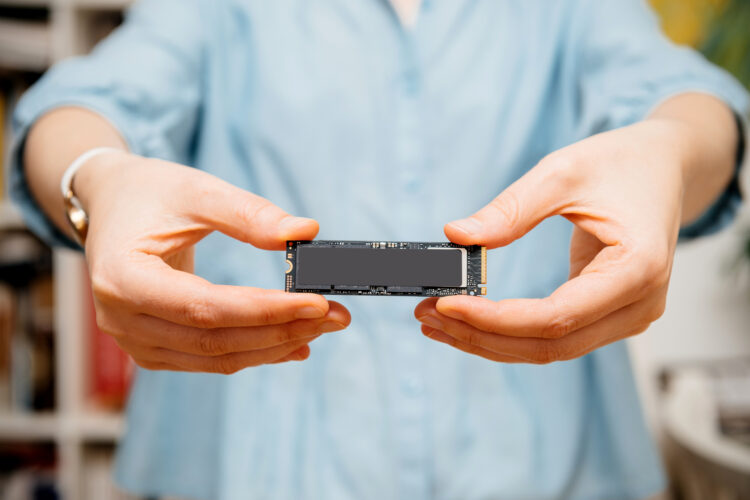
<point x="412" y="386"/>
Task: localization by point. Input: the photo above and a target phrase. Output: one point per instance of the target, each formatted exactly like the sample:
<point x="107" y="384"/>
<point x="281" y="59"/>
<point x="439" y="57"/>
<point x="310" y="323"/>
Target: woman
<point x="382" y="121"/>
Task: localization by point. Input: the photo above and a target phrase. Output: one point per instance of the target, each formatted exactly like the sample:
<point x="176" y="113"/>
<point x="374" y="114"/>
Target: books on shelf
<point x="28" y="471"/>
<point x="27" y="351"/>
<point x="52" y="454"/>
<point x="7" y="306"/>
<point x="26" y="340"/>
<point x="12" y="86"/>
<point x="4" y="137"/>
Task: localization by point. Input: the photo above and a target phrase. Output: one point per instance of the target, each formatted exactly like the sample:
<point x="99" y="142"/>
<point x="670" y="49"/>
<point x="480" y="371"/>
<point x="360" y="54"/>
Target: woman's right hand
<point x="145" y="216"/>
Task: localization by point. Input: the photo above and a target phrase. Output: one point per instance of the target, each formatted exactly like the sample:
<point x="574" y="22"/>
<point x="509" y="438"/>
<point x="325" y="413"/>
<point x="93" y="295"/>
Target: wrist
<point x="90" y="177"/>
<point x="675" y="145"/>
<point x="705" y="133"/>
<point x="706" y="165"/>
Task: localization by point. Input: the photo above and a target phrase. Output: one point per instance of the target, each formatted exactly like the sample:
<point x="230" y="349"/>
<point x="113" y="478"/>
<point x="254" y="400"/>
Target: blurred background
<point x="63" y="384"/>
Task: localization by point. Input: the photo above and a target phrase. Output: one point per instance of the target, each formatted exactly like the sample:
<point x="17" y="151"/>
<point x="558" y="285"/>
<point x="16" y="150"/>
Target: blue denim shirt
<point x="332" y="110"/>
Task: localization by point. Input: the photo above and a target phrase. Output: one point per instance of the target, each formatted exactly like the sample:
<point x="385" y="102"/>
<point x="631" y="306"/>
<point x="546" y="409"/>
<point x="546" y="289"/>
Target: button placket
<point x="410" y="397"/>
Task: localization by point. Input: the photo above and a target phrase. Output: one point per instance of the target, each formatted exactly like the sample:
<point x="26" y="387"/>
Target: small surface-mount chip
<point x="385" y="268"/>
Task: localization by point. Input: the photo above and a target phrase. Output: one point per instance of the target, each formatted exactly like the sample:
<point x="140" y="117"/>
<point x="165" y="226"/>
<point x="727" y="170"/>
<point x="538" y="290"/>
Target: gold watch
<point x="74" y="212"/>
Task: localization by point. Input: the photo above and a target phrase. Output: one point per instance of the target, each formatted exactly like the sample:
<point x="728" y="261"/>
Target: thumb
<point x="250" y="218"/>
<point x="513" y="213"/>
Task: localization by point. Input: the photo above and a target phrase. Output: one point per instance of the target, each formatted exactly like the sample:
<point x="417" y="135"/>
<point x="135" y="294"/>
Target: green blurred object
<point x="727" y="41"/>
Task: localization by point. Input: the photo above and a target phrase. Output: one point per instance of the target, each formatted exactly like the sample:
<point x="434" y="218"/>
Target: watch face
<point x="77" y="217"/>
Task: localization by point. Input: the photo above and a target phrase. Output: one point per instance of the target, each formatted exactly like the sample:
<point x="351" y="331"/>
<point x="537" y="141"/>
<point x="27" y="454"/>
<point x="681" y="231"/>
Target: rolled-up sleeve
<point x="145" y="79"/>
<point x="628" y="67"/>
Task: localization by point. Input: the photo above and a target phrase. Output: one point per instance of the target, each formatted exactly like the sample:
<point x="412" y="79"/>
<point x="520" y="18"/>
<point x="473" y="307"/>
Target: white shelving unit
<point x="74" y="425"/>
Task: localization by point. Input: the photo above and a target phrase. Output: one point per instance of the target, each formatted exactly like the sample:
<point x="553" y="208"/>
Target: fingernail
<point x="330" y="326"/>
<point x="429" y="333"/>
<point x="432" y="321"/>
<point x="309" y="312"/>
<point x="468" y="226"/>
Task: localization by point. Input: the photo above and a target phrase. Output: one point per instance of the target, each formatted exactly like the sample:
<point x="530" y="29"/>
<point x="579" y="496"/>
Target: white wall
<point x="708" y="308"/>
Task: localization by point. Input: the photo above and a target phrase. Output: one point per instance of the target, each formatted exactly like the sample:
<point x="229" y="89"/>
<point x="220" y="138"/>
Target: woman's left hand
<point x="623" y="190"/>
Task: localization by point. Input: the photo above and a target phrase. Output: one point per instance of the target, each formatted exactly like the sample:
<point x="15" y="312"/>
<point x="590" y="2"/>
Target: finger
<point x="537" y="195"/>
<point x="611" y="281"/>
<point x="426" y="306"/>
<point x="625" y="322"/>
<point x="250" y="218"/>
<point x="184" y="260"/>
<point x="156" y="366"/>
<point x="471" y="349"/>
<point x="226" y="363"/>
<point x="155" y="332"/>
<point x="300" y="354"/>
<point x="584" y="247"/>
<point x="153" y="288"/>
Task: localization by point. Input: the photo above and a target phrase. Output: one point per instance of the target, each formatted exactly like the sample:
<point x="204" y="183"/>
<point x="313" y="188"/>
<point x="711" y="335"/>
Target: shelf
<point x="26" y="3"/>
<point x="25" y="45"/>
<point x="10" y="217"/>
<point x="100" y="426"/>
<point x="86" y="4"/>
<point x="76" y="429"/>
<point x="101" y="4"/>
<point x="90" y="426"/>
<point x="28" y="427"/>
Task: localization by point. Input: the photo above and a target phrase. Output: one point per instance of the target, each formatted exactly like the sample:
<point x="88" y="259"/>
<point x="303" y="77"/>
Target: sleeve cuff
<point x="20" y="193"/>
<point x="721" y="213"/>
